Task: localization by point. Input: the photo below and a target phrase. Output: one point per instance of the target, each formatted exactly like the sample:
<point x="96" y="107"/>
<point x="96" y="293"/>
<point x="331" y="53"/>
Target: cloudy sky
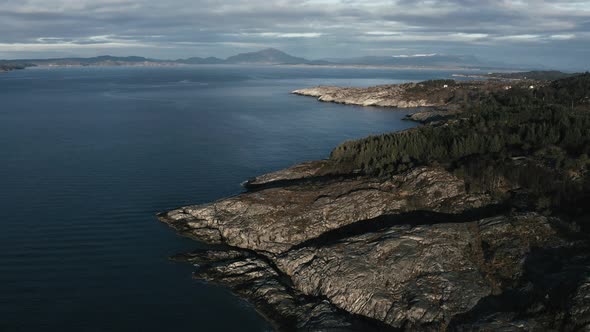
<point x="553" y="33"/>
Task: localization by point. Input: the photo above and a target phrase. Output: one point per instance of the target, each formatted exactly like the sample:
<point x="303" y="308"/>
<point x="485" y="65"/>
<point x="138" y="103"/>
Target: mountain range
<point x="271" y="56"/>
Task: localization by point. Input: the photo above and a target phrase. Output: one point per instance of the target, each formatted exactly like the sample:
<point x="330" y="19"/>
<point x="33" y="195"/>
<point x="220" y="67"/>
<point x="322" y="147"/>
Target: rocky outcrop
<point x="255" y="279"/>
<point x="274" y="220"/>
<point x="303" y="171"/>
<point x="401" y="96"/>
<point x="410" y="252"/>
<point x="436" y="101"/>
<point x="419" y="276"/>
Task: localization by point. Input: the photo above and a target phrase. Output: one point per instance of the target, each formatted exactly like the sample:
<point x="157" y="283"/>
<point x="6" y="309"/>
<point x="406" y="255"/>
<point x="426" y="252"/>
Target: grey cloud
<point x="315" y="28"/>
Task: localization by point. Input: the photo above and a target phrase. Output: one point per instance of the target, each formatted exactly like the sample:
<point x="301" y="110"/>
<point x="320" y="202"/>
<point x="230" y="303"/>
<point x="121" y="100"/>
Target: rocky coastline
<point x="436" y="100"/>
<point x="415" y="251"/>
<point x="434" y="103"/>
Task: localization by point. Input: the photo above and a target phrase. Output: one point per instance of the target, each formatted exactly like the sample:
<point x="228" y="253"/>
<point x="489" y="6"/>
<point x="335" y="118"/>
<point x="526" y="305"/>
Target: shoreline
<point x="332" y="66"/>
<point x="324" y="245"/>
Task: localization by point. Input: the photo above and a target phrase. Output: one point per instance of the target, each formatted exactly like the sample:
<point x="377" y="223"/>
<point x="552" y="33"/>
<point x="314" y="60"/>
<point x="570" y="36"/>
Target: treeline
<point x="485" y="143"/>
<point x="534" y="75"/>
<point x="516" y="130"/>
<point x="571" y="92"/>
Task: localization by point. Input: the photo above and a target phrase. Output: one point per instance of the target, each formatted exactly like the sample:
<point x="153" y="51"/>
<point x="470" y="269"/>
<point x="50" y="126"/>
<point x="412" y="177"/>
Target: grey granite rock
<point x="275" y="219"/>
<point x="413" y="252"/>
<point x="308" y="170"/>
<point x="384" y="95"/>
<point x="417" y="276"/>
<point x="254" y="279"/>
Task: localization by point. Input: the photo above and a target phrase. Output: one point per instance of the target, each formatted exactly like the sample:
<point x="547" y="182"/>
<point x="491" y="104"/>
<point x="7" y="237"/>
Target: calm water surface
<point x="89" y="155"/>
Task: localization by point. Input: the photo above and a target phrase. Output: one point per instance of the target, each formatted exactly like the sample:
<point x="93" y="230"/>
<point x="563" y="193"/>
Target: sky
<point x="546" y="33"/>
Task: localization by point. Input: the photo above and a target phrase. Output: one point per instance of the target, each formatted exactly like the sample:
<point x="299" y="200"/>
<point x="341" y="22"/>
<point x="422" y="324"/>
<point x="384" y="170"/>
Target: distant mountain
<point x="271" y="56"/>
<point x="201" y="61"/>
<point x="267" y="56"/>
<point x="103" y="60"/>
<point x="423" y="60"/>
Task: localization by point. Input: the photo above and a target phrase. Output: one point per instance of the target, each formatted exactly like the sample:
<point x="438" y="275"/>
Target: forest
<point x="522" y="142"/>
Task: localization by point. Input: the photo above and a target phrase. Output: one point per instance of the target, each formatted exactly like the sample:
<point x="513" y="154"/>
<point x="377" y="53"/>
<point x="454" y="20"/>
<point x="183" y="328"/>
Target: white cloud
<point x="563" y="37"/>
<point x="289" y="34"/>
<point x="415" y="55"/>
<point x="469" y="36"/>
<point x="382" y="33"/>
<point x="523" y="37"/>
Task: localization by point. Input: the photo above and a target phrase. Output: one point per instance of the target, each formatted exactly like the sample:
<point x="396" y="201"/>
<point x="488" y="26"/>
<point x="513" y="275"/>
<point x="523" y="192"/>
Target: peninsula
<point x="478" y="220"/>
<point x="438" y="99"/>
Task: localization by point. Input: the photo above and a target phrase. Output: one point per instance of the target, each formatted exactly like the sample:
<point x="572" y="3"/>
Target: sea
<point x="89" y="155"/>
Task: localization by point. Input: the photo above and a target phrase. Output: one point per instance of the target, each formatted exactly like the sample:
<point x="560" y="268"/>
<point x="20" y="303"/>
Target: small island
<point x="477" y="220"/>
<point x="6" y="66"/>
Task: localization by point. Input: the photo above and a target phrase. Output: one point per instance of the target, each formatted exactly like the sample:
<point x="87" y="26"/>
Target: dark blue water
<point x="89" y="155"/>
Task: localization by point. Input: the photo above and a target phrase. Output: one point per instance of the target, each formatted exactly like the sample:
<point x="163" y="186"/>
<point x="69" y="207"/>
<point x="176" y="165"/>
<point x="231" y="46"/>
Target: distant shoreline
<point x="274" y="57"/>
<point x="334" y="66"/>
